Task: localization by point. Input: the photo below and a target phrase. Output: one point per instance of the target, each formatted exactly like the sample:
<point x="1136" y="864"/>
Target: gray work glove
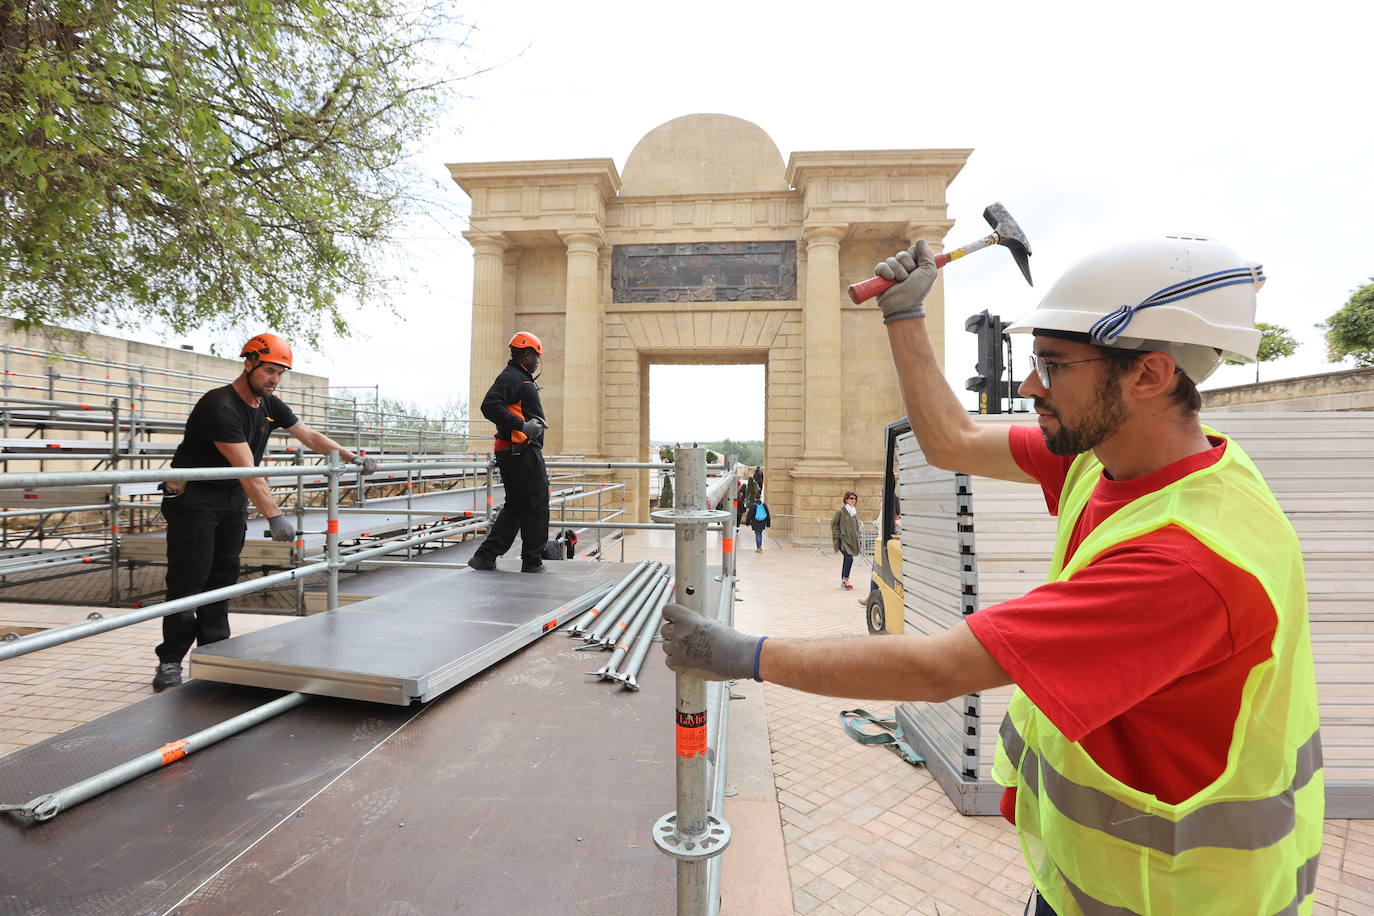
<point x="533" y="427"/>
<point x="707" y="648"/>
<point x="367" y="463"/>
<point x="281" y="529"/>
<point x="914" y="271"/>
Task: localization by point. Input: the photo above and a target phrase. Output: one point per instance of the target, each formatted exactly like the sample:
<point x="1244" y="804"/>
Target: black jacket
<point x="512" y="399"/>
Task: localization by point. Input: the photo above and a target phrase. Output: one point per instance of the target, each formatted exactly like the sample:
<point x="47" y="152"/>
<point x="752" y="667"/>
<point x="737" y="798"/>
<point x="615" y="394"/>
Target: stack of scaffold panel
<point x="412" y="643"/>
<point x="964" y="551"/>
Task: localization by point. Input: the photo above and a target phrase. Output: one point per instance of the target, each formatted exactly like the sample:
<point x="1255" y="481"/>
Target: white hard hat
<point x="1186" y="295"/>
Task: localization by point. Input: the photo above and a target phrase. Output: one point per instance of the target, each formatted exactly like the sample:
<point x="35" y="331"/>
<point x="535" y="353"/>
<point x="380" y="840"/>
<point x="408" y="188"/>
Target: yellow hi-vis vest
<point x="1248" y="843"/>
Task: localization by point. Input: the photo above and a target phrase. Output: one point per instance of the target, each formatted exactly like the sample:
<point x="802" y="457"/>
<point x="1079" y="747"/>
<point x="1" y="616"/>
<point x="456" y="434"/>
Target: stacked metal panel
<point x="972" y="542"/>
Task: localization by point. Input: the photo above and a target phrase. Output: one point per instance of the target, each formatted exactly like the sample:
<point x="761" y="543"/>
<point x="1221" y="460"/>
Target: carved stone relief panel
<point x="704" y="272"/>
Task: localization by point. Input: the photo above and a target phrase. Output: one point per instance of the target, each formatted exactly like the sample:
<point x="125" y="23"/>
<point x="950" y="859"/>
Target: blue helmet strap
<point x="1109" y="327"/>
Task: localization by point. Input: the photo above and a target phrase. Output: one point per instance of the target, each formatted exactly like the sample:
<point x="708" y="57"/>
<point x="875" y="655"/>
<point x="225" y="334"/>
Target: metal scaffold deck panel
<point x="532" y="789"/>
<point x="411" y="643"/>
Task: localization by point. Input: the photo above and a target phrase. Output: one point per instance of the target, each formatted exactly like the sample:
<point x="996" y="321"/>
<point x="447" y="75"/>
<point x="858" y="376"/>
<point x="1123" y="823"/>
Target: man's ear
<point x="1153" y="374"/>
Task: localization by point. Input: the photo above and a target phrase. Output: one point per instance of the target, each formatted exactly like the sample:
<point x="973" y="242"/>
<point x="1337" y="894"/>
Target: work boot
<point x="532" y="567"/>
<point x="168" y="675"/>
<point x="478" y="561"/>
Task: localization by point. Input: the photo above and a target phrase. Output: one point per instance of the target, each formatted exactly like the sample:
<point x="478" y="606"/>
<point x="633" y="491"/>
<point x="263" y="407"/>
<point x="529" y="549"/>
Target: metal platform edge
<point x="479" y="660"/>
<point x="344" y="684"/>
<point x="972" y="797"/>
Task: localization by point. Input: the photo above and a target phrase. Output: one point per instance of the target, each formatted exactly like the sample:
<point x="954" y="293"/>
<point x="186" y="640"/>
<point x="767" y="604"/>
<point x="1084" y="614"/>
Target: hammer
<point x="1004" y="232"/>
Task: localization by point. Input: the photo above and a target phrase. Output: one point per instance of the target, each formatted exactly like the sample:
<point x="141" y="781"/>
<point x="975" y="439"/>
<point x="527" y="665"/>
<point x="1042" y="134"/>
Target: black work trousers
<point x="526" y="509"/>
<point x="205" y="531"/>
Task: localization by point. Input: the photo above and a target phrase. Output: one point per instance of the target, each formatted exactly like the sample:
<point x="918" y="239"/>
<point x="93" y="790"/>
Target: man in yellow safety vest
<point x="1161" y="753"/>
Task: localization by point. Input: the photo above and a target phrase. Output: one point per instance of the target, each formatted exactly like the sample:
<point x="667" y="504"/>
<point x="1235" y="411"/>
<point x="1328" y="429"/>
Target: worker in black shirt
<point x="207" y="519"/>
<point x="512" y="403"/>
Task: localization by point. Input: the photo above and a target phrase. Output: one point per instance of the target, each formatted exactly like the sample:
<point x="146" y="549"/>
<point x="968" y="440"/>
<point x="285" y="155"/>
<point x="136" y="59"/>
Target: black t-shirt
<point x="222" y="416"/>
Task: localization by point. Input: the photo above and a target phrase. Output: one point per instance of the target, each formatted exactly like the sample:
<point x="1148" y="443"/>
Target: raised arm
<point x="948" y="436"/>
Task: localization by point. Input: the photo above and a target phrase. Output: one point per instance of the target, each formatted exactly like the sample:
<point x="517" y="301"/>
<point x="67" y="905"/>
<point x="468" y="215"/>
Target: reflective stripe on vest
<point x="1248" y="842"/>
<point x="1250" y="824"/>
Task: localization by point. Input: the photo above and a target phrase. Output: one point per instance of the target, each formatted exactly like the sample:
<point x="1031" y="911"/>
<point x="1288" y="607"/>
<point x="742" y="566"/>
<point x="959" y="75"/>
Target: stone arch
<point x="709" y="250"/>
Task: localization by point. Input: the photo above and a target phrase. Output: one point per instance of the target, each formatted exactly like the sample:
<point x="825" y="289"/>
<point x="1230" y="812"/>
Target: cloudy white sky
<point x="1091" y="121"/>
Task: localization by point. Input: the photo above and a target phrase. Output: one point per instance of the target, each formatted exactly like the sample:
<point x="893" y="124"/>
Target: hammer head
<point x="1009" y="234"/>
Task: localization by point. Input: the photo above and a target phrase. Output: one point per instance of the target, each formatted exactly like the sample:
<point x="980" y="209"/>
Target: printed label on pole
<point x="691" y="734"/>
<point x="172" y="752"/>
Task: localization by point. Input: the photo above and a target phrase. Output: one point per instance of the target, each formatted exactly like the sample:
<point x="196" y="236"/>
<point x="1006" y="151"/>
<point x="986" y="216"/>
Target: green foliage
<point x="750" y="453"/>
<point x="1275" y="343"/>
<point x="665" y="453"/>
<point x="207" y="163"/>
<point x="1350" y="331"/>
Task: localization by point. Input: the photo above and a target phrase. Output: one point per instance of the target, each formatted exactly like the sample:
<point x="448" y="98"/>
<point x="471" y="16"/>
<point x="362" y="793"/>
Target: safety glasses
<point x="1043" y="367"/>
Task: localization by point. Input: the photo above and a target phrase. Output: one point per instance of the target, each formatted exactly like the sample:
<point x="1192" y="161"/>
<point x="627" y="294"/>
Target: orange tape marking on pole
<point x="172" y="752"/>
<point x="550" y="625"/>
<point x="727" y="545"/>
<point x="691" y="734"/>
<point x="332" y="527"/>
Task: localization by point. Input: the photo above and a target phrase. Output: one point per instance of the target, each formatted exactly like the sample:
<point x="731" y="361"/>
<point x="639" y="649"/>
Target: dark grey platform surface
<point x="531" y="789"/>
<point x="411" y="643"/>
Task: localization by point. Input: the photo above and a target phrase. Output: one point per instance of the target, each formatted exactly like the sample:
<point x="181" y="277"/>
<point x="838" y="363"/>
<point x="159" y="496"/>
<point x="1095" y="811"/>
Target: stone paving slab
<point x="827" y="825"/>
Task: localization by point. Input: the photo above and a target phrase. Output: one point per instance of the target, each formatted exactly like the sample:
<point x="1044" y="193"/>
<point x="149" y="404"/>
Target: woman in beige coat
<point x="844" y="533"/>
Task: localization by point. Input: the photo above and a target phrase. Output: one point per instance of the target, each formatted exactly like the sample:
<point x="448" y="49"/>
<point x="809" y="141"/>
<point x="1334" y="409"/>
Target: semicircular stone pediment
<point x="703" y="154"/>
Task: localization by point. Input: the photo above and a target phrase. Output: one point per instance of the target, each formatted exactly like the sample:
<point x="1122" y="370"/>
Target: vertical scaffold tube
<point x="691" y="834"/>
<point x="331" y="532"/>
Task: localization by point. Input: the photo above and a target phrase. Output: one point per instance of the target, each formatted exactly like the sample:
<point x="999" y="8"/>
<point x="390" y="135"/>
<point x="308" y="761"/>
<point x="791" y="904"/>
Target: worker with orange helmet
<point x="207" y="519"/>
<point x="512" y="403"/>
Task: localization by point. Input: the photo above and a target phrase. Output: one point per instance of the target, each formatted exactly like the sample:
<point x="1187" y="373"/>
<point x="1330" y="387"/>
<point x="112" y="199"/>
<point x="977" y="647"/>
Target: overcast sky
<point x="1091" y="121"/>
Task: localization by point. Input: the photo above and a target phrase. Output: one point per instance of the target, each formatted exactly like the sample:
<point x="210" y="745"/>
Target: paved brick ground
<point x="861" y="830"/>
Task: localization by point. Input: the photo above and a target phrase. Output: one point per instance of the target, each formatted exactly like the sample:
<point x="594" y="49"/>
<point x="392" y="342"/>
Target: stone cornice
<point x="805" y="166"/>
<point x="472" y="175"/>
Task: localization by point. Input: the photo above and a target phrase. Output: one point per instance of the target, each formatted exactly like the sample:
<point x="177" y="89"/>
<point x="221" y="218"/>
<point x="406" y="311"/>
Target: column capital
<point x="830" y="234"/>
<point x="583" y="239"/>
<point x="932" y="230"/>
<point x="492" y="243"/>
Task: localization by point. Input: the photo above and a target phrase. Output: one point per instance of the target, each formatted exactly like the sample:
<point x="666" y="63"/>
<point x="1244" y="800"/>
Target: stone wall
<point x="1350" y="389"/>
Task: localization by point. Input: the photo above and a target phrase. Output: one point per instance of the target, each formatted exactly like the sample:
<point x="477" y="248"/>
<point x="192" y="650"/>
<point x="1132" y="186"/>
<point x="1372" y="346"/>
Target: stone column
<point x="821" y="324"/>
<point x="488" y="304"/>
<point x="934" y="234"/>
<point x="581" y="421"/>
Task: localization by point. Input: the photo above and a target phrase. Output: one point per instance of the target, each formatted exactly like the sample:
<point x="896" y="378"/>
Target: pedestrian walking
<point x="759" y="519"/>
<point x="1161" y="752"/>
<point x="844" y="535"/>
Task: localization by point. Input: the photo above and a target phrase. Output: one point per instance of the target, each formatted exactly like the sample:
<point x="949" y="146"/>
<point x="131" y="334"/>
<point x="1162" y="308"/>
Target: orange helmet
<point x="524" y="339"/>
<point x="268" y="348"/>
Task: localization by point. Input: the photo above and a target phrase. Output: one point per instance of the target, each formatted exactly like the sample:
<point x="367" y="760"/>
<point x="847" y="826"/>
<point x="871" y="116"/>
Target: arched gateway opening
<point x="709" y="249"/>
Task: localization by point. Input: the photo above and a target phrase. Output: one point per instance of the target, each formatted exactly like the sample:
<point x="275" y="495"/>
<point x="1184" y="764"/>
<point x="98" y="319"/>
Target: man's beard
<point x="1101" y="422"/>
<point x="259" y="391"/>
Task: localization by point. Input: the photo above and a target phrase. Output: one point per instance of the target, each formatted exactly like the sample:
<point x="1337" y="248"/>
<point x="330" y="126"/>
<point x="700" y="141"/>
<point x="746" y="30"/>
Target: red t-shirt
<point x="1142" y="656"/>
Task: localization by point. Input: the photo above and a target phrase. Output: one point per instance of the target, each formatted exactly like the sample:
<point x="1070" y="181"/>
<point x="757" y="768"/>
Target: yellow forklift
<point x="884" y="608"/>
